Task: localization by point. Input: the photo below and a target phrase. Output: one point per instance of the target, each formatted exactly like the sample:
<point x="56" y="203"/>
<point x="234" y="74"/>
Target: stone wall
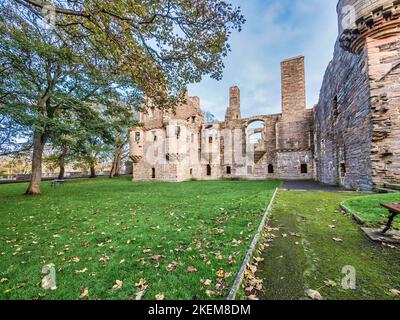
<point x="233" y="111"/>
<point x="293" y="88"/>
<point x="384" y="75"/>
<point x="342" y="122"/>
<point x="357" y="118"/>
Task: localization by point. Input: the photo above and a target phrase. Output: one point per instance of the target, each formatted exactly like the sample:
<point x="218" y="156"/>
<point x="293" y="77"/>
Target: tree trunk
<point x="62" y="164"/>
<point x="116" y="165"/>
<point x="39" y="141"/>
<point x="92" y="171"/>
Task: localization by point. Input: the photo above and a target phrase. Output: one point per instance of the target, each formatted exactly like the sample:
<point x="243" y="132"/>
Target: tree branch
<point x="41" y="5"/>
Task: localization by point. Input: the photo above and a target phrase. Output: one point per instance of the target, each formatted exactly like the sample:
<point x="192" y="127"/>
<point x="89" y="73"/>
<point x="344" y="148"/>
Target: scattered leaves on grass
<point x="158" y="257"/>
<point x="395" y="292"/>
<point x="172" y="266"/>
<point x="337" y="239"/>
<point x="206" y="282"/>
<point x="81" y="271"/>
<point x="313" y="294"/>
<point x="191" y="269"/>
<point x="142" y="284"/>
<point x="75" y="260"/>
<point x="220" y="273"/>
<point x="210" y="293"/>
<point x="104" y="259"/>
<point x="118" y="284"/>
<point x="236" y="243"/>
<point x="218" y="256"/>
<point x="3" y="280"/>
<point x="252" y="268"/>
<point x="160" y="296"/>
<point x="231" y="261"/>
<point x="147" y="250"/>
<point x="84" y="293"/>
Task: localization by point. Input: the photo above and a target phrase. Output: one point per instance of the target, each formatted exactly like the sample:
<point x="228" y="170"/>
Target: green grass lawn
<point x="303" y="254"/>
<point x="369" y="210"/>
<point x="172" y="236"/>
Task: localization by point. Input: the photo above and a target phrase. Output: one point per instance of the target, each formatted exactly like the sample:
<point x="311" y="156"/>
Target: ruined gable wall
<point x="293" y="131"/>
<point x="294" y="145"/>
<point x="342" y="121"/>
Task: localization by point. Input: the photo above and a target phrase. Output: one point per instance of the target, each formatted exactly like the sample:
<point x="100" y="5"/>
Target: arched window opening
<point x="256" y="138"/>
<point x="258" y="124"/>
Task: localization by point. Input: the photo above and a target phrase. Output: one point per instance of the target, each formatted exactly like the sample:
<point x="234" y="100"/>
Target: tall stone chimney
<point x="233" y="111"/>
<point x="293" y="88"/>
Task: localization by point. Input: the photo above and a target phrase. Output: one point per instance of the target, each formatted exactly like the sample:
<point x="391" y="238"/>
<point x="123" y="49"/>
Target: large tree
<point x="90" y="45"/>
<point x="180" y="40"/>
<point x="46" y="77"/>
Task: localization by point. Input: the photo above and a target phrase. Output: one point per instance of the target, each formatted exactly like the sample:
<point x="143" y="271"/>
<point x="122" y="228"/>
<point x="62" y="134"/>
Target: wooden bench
<point x="57" y="182"/>
<point x="394" y="210"/>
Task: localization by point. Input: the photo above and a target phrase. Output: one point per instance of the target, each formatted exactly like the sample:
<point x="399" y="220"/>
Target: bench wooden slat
<point x="395" y="207"/>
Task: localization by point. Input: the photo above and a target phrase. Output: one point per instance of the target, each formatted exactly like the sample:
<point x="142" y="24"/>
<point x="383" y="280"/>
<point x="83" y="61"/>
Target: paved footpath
<point x="309" y="185"/>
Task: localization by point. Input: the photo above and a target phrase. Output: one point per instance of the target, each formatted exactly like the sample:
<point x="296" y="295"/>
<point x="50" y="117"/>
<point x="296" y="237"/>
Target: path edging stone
<point x="352" y="214"/>
<point x="240" y="275"/>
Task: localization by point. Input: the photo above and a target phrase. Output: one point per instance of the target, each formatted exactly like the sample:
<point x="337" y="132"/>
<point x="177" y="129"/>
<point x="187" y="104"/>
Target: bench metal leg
<point x="390" y="221"/>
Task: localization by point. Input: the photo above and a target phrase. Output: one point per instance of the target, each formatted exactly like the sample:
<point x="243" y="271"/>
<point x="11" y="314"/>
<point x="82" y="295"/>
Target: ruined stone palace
<point x="351" y="137"/>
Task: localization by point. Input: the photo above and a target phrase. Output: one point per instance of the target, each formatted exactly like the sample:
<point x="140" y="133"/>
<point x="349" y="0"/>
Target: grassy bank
<point x="180" y="241"/>
<point x="369" y="210"/>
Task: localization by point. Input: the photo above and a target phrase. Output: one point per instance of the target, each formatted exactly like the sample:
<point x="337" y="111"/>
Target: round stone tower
<point x="360" y="19"/>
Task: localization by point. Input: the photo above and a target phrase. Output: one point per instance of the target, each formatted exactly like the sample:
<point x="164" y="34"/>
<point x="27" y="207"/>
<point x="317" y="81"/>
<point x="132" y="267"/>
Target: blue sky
<point x="275" y="30"/>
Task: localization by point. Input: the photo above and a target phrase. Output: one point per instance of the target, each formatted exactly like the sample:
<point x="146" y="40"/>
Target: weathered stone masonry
<point x="180" y="146"/>
<point x="351" y="137"/>
<point x="357" y="119"/>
